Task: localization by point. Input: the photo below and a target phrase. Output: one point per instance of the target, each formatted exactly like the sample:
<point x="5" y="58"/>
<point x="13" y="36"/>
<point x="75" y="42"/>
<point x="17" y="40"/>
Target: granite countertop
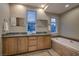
<point x="23" y="34"/>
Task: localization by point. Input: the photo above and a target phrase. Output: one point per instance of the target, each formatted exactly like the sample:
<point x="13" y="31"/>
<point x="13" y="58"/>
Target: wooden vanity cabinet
<point x="9" y="46"/>
<point x="21" y="44"/>
<point x="15" y="45"/>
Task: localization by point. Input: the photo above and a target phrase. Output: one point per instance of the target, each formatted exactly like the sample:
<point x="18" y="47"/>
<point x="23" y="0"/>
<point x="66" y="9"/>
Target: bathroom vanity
<point x="22" y="43"/>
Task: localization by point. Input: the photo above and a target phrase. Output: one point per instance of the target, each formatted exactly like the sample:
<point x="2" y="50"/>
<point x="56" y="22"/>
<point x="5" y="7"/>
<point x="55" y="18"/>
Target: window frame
<point x="27" y="20"/>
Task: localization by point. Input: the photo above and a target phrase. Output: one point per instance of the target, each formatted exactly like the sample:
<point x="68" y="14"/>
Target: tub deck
<point x="65" y="46"/>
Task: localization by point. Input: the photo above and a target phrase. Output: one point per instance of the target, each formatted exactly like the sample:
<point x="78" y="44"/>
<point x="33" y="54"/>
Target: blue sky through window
<point x="53" y="25"/>
<point x="31" y="18"/>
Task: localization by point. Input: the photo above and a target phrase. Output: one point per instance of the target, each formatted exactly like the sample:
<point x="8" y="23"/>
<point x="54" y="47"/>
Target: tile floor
<point x="47" y="52"/>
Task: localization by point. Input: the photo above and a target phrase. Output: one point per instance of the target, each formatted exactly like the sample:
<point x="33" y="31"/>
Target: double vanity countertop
<point x="16" y="34"/>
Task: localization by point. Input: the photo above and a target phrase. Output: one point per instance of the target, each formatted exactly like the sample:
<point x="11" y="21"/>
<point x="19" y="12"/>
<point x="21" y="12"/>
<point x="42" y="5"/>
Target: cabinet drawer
<point x="32" y="42"/>
<point x="32" y="48"/>
<point x="40" y="37"/>
<point x="32" y="38"/>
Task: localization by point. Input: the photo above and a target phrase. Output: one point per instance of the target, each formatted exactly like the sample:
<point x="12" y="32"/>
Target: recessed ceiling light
<point x="20" y="6"/>
<point x="41" y="10"/>
<point x="42" y="6"/>
<point x="66" y="5"/>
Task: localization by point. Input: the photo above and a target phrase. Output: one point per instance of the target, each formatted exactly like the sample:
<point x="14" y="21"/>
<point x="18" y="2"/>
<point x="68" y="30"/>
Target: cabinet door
<point x="40" y="42"/>
<point x="5" y="46"/>
<point x="47" y="42"/>
<point x="22" y="44"/>
<point x="32" y="38"/>
<point x="9" y="46"/>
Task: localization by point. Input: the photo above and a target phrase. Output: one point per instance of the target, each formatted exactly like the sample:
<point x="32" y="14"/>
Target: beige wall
<point x="70" y="24"/>
<point x="17" y="11"/>
<point x="4" y="14"/>
<point x="21" y="10"/>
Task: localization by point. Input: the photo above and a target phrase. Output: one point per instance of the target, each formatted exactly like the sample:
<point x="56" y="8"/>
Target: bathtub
<point x="65" y="47"/>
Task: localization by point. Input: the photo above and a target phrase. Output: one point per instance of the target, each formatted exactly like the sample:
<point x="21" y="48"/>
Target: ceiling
<point x="57" y="8"/>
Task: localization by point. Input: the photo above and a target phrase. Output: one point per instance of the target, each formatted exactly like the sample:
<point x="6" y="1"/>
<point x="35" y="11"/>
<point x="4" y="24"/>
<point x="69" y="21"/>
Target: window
<point x="53" y="25"/>
<point x="31" y="21"/>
